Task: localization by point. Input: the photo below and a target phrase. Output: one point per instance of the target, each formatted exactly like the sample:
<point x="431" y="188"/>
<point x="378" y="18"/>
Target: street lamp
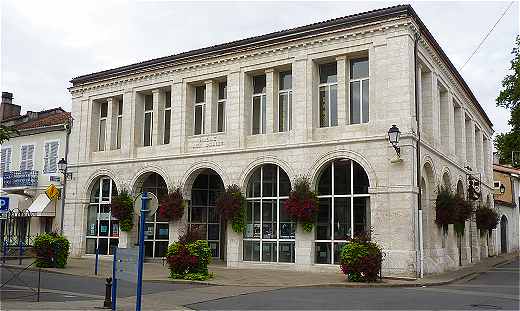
<point x="62" y="167"/>
<point x="502" y="189"/>
<point x="393" y="138"/>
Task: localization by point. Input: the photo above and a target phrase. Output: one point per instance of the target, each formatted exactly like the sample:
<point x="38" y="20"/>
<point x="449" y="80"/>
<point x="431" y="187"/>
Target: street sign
<point x="126" y="264"/>
<point x="151" y="205"/>
<point x="52" y="192"/>
<point x="4" y="204"/>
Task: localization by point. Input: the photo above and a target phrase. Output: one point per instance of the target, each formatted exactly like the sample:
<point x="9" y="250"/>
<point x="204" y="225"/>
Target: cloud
<point x="46" y="43"/>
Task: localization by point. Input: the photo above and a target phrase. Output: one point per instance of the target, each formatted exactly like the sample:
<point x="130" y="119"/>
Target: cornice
<point x="354" y="32"/>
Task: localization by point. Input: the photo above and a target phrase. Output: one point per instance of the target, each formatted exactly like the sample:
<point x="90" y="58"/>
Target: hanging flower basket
<point x="487" y="218"/>
<point x="231" y="206"/>
<point x="302" y="204"/>
<point x="172" y="206"/>
<point x="444" y="207"/>
<point x="463" y="211"/>
<point x="122" y="208"/>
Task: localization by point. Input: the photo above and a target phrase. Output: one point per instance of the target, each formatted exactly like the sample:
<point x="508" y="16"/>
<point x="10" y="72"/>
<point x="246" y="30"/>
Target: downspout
<point x="68" y="127"/>
<point x="418" y="164"/>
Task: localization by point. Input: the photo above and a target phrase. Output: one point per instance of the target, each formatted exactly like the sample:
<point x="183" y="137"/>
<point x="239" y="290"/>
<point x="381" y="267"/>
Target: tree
<point x="509" y="98"/>
<point x="6" y="132"/>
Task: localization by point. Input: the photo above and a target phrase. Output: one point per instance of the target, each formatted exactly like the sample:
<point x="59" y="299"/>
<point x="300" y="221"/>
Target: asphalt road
<point x="497" y="289"/>
<point x="73" y="287"/>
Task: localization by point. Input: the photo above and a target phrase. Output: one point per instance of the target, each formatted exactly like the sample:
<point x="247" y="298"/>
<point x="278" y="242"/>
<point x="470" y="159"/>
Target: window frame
<point x="328" y="86"/>
<point x="279" y="208"/>
<point x="360" y="81"/>
<point x="145" y="112"/>
<point x="167" y="112"/>
<point x="101" y="119"/>
<point x="119" y="124"/>
<point x="203" y="111"/>
<point x="7" y="164"/>
<point x="263" y="104"/>
<point x="332" y="198"/>
<point x="221" y="102"/>
<point x="288" y="93"/>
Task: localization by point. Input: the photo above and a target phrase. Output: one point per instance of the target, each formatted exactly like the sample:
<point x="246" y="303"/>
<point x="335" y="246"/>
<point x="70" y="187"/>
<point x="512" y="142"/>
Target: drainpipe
<point x="68" y="127"/>
<point x="418" y="164"/>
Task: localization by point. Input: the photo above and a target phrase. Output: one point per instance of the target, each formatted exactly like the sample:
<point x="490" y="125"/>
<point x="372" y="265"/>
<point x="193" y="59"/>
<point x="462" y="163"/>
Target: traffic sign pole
<point x="114" y="280"/>
<point x="144" y="200"/>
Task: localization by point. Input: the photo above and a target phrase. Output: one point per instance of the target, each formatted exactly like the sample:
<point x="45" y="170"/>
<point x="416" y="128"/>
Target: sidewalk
<point x="155" y="271"/>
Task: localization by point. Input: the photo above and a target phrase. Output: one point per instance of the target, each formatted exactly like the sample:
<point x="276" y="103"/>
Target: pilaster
<point x="128" y="141"/>
<point x="299" y="99"/>
<point x="178" y="124"/>
<point x="210" y="110"/>
<point x="156" y="125"/>
<point x="269" y="96"/>
<point x="341" y="63"/>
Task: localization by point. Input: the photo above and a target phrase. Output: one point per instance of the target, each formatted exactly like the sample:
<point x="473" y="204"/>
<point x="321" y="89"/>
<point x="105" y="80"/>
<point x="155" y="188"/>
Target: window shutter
<point x="30" y="158"/>
<point x="51" y="156"/>
<point x="5" y="160"/>
<point x="23" y="158"/>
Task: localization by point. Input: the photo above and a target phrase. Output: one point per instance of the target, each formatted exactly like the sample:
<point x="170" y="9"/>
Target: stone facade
<point x="455" y="134"/>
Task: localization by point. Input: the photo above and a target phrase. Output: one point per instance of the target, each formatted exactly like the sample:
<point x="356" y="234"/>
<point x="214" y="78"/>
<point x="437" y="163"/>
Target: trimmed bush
<point x="52" y="250"/>
<point x="486" y="218"/>
<point x="172" y="206"/>
<point x="188" y="259"/>
<point x="361" y="259"/>
<point x="122" y="208"/>
<point x="302" y="204"/>
<point x="231" y="206"/>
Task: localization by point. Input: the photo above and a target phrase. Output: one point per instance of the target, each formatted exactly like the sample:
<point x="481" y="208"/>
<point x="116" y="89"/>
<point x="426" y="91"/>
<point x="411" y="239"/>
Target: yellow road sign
<point x="52" y="192"/>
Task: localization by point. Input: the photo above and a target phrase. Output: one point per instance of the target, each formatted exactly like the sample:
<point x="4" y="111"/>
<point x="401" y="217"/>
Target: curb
<point x="470" y="275"/>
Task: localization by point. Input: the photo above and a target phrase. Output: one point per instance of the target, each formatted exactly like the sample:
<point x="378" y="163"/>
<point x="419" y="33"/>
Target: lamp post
<point x="393" y="138"/>
<point x="62" y="166"/>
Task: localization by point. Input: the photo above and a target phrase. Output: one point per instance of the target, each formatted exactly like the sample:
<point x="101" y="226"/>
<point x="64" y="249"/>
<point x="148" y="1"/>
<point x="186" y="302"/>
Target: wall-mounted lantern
<point x="393" y="138"/>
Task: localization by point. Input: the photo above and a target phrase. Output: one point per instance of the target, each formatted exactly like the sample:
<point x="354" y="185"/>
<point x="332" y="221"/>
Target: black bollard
<point x="107" y="304"/>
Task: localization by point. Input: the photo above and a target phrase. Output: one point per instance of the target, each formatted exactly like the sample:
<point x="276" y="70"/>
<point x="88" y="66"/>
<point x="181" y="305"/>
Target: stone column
<point x="304" y="248"/>
<point x="299" y="99"/>
<point x="436" y="115"/>
<point x="234" y="111"/>
<point x="156" y="125"/>
<point x="269" y="96"/>
<point x="177" y="127"/>
<point x="210" y="108"/>
<point x="470" y="143"/>
<point x="451" y="126"/>
<point x="128" y="138"/>
<point x="341" y="62"/>
<point x="233" y="247"/>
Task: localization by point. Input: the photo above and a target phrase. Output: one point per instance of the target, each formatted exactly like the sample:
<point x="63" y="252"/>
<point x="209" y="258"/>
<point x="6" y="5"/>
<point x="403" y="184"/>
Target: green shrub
<point x="361" y="260"/>
<point x="52" y="250"/>
<point x="189" y="259"/>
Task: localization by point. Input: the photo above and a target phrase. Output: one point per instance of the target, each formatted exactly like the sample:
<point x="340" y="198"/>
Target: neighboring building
<point x="28" y="166"/>
<point x="315" y="100"/>
<point x="507" y="201"/>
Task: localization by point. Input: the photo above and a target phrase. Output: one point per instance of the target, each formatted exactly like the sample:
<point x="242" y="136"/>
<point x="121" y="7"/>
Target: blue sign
<point x="126" y="264"/>
<point x="4" y="204"/>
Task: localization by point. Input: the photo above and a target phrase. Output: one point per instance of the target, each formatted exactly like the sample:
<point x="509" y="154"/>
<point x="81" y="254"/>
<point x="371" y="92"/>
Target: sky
<point x="44" y="44"/>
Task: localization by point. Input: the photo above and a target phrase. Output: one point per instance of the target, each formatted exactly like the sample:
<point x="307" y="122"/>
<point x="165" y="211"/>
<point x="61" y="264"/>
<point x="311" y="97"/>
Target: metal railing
<point x="26" y="178"/>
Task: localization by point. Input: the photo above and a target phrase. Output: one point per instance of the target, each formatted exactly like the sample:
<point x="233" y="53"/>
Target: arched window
<point x="202" y="213"/>
<point x="102" y="228"/>
<point x="156" y="231"/>
<point x="342" y="192"/>
<point x="269" y="232"/>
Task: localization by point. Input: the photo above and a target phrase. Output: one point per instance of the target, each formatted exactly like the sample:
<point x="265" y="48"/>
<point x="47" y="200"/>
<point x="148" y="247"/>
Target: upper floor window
<point x="259" y="105"/>
<point x="328" y="94"/>
<point x="148" y="120"/>
<point x="102" y="130"/>
<point x="359" y="91"/>
<point x="5" y="162"/>
<point x="119" y="125"/>
<point x="221" y="107"/>
<point x="26" y="157"/>
<point x="167" y="117"/>
<point x="199" y="110"/>
<point x="285" y="101"/>
<point x="50" y="158"/>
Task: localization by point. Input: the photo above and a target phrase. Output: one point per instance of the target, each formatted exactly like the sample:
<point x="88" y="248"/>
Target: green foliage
<point x="189" y="260"/>
<point x="361" y="259"/>
<point x="452" y="209"/>
<point x="122" y="208"/>
<point x="509" y="98"/>
<point x="6" y="132"/>
<point x="486" y="218"/>
<point x="52" y="250"/>
<point x="231" y="205"/>
<point x="307" y="226"/>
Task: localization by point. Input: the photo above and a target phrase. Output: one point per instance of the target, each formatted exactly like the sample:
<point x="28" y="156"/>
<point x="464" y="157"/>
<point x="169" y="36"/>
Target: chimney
<point x="7" y="108"/>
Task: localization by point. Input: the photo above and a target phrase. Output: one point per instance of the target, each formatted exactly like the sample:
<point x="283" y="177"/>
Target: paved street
<point x="496" y="289"/>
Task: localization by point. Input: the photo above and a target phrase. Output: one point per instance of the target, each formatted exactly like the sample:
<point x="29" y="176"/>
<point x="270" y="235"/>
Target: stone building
<point x="28" y="165"/>
<point x="507" y="201"/>
<point x="315" y="100"/>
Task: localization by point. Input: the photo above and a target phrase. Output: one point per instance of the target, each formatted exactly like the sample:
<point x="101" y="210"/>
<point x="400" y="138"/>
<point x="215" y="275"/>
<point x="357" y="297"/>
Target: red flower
<point x="172" y="205"/>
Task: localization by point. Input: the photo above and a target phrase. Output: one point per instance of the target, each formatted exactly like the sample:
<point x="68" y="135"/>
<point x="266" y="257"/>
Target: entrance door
<point x="203" y="215"/>
<point x="503" y="235"/>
